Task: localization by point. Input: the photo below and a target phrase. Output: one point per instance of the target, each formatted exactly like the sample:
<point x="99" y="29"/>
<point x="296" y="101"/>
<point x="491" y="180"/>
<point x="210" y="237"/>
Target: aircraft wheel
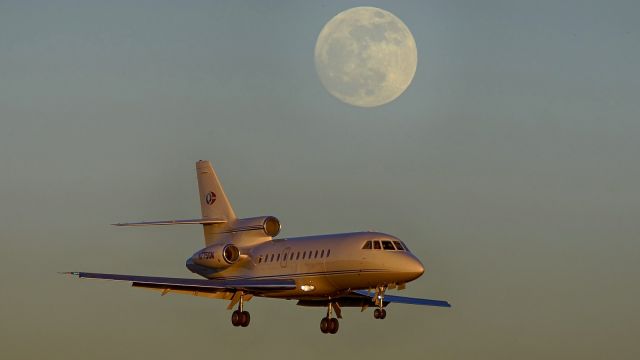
<point x="383" y="313"/>
<point x="376" y="313"/>
<point x="324" y="325"/>
<point x="245" y="318"/>
<point x="333" y="325"/>
<point x="236" y="318"/>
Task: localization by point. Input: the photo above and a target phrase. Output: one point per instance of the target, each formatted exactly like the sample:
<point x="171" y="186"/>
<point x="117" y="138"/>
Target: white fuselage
<point x="322" y="266"/>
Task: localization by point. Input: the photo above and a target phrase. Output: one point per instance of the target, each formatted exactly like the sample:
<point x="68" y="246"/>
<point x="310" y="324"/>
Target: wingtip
<point x="71" y="273"/>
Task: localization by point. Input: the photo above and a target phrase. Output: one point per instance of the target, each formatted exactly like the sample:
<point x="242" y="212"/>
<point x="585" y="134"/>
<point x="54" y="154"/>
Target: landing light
<point x="307" y="287"/>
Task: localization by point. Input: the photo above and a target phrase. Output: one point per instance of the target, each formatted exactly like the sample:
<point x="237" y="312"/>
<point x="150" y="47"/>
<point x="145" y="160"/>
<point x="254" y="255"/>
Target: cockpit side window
<point x="398" y="245"/>
<point x="376" y="245"/>
<point x="387" y="245"/>
<point x="367" y="245"/>
<point x="405" y="246"/>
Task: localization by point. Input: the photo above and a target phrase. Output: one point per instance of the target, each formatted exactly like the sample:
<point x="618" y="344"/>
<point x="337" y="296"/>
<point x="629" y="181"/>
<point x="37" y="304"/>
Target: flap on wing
<point x="203" y="221"/>
<point x="406" y="300"/>
<point x="194" y="284"/>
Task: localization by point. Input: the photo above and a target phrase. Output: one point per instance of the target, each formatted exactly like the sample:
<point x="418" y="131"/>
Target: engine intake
<point x="230" y="253"/>
<point x="217" y="256"/>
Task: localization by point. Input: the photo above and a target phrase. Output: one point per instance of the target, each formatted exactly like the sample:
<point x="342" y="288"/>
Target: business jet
<point x="242" y="259"/>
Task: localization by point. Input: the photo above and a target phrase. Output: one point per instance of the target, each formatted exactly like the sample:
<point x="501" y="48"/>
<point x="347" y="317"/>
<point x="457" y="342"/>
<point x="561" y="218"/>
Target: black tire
<point x="324" y="325"/>
<point x="235" y="318"/>
<point x="246" y="318"/>
<point x="383" y="313"/>
<point x="334" y="325"/>
<point x="376" y="313"/>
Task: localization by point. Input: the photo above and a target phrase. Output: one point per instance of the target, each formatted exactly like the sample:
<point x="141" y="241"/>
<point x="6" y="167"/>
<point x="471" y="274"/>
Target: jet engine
<point x="217" y="256"/>
<point x="269" y="225"/>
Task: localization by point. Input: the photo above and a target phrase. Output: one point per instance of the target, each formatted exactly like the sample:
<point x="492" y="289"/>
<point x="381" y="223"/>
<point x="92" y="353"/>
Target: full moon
<point x="366" y="56"/>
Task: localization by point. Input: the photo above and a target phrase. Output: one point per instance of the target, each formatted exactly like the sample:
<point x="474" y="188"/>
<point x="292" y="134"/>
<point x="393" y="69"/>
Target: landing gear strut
<point x="240" y="317"/>
<point x="380" y="312"/>
<point x="329" y="324"/>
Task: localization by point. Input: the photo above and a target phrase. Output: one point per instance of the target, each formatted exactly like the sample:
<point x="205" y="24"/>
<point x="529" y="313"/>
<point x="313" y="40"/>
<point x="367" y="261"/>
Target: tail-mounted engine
<point x="269" y="225"/>
<point x="242" y="232"/>
<point x="217" y="256"/>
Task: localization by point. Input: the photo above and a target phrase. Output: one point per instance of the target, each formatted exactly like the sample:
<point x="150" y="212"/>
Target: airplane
<point x="243" y="259"/>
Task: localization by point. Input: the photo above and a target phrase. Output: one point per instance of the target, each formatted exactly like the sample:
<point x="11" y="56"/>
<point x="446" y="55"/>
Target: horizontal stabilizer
<point x="406" y="300"/>
<point x="194" y="284"/>
<point x="204" y="221"/>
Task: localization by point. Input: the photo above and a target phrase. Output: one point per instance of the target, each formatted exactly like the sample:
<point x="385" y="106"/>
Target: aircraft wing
<point x="167" y="284"/>
<point x="203" y="221"/>
<point x="405" y="300"/>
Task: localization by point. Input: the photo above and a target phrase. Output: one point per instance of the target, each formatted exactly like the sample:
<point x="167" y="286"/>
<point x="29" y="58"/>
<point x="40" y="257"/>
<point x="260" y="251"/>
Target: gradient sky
<point x="510" y="166"/>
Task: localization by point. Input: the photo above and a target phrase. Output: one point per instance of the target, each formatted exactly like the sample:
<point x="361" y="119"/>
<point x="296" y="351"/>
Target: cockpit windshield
<point x="386" y="245"/>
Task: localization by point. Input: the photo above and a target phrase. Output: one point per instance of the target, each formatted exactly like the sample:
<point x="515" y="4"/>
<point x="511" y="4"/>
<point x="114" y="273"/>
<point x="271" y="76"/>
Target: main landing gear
<point x="329" y="324"/>
<point x="240" y="317"/>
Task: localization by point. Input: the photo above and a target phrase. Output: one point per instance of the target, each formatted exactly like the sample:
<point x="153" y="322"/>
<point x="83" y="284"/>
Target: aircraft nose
<point x="415" y="268"/>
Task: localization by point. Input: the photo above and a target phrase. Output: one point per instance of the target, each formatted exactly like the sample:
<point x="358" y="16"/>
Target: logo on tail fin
<point x="210" y="198"/>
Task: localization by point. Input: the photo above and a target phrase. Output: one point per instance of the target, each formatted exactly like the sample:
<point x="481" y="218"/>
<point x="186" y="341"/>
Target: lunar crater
<point x="365" y="56"/>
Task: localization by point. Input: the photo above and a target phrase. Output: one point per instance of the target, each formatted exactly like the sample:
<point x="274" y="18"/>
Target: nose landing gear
<point x="380" y="312"/>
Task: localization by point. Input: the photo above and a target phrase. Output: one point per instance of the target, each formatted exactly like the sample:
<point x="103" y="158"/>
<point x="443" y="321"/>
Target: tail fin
<point x="218" y="219"/>
<point x="213" y="200"/>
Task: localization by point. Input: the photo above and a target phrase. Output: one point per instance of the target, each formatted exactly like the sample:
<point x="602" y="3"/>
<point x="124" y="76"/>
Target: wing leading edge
<point x="251" y="286"/>
<point x="405" y="300"/>
<point x="203" y="221"/>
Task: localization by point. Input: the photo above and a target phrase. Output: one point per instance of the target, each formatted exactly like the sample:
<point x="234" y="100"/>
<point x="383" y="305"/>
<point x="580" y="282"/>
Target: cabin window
<point x="316" y="255"/>
<point x="387" y="245"/>
<point x="291" y="256"/>
<point x="271" y="258"/>
<point x="260" y="259"/>
<point x="278" y="259"/>
<point x="328" y="252"/>
<point x="367" y="245"/>
<point x="398" y="245"/>
<point x="376" y="245"/>
<point x="322" y="253"/>
<point x="298" y="255"/>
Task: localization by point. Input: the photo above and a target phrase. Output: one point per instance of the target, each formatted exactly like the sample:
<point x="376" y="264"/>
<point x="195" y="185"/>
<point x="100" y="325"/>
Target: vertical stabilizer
<point x="213" y="200"/>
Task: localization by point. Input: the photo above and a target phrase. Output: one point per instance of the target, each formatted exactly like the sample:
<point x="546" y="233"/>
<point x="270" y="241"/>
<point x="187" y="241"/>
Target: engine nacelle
<point x="217" y="256"/>
<point x="269" y="225"/>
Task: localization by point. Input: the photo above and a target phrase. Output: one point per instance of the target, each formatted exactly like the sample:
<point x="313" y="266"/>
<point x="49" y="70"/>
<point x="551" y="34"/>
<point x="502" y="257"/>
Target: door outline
<point x="284" y="258"/>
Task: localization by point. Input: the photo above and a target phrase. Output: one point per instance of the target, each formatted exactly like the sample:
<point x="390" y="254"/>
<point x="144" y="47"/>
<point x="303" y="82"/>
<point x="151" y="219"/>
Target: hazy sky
<point x="510" y="166"/>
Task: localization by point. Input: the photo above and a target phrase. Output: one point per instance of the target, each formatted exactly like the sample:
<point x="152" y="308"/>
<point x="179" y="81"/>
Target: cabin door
<point x="285" y="257"/>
